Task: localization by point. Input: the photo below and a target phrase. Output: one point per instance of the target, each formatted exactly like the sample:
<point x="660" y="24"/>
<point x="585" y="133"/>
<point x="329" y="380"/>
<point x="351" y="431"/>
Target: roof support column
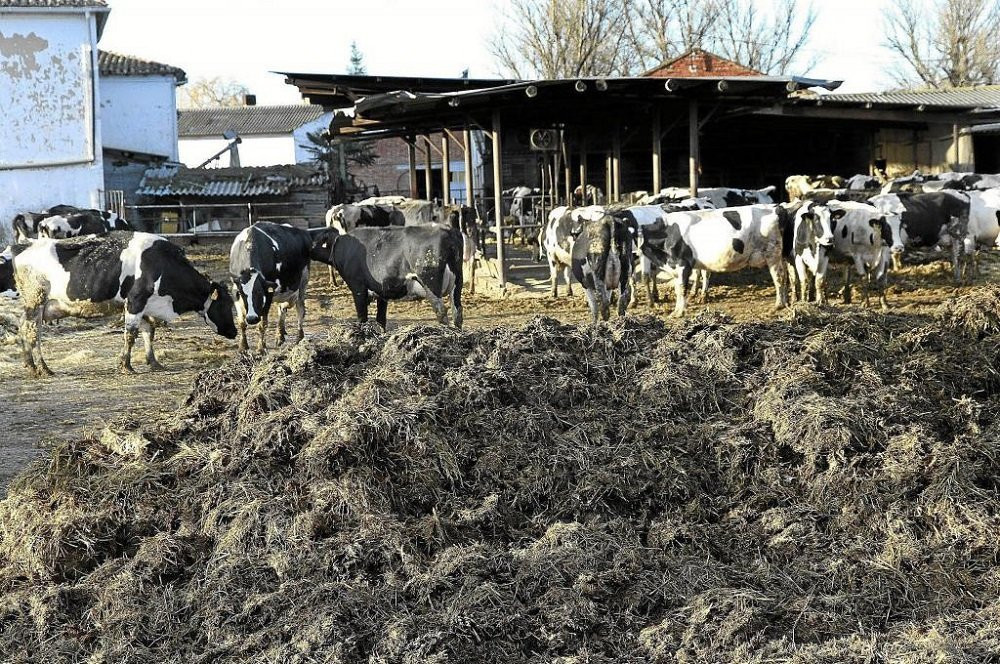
<point x="568" y="167"/>
<point x="445" y="169"/>
<point x="428" y="186"/>
<point x="583" y="167"/>
<point x="657" y="153"/>
<point x="958" y="150"/>
<point x="616" y="164"/>
<point x="467" y="139"/>
<point x="411" y="151"/>
<point x="608" y="183"/>
<point x="694" y="158"/>
<point x="498" y="202"/>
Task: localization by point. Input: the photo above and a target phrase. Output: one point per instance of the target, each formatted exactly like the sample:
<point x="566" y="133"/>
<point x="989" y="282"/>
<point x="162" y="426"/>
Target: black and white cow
<point x="394" y="262"/>
<point x="732" y="239"/>
<point x="937" y="219"/>
<point x="556" y="238"/>
<point x="25" y="225"/>
<point x="83" y="222"/>
<point x="465" y="220"/>
<point x="719" y="197"/>
<point x="269" y="263"/>
<point x="602" y="262"/>
<point x="7" y="286"/>
<point x="347" y="216"/>
<point x="863" y="239"/>
<point x="99" y="275"/>
<point x="806" y="241"/>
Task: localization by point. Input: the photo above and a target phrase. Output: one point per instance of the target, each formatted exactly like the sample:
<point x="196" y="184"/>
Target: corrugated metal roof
<point x="986" y="96"/>
<point x="245" y="120"/>
<point x="116" y="64"/>
<point x="173" y="180"/>
<point x="53" y="3"/>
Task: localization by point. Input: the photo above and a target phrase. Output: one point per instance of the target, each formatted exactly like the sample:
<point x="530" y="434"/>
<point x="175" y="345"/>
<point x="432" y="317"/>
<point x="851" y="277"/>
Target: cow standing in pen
<point x="391" y="263"/>
<point x="602" y="262"/>
<point x="99" y="275"/>
<point x="269" y="263"/>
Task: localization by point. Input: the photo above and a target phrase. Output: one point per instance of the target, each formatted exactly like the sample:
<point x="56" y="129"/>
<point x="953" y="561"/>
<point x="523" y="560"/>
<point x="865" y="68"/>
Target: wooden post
<point x="568" y="174"/>
<point x="467" y="138"/>
<point x="445" y="169"/>
<point x="616" y="164"/>
<point x="657" y="153"/>
<point x="583" y="166"/>
<point x="958" y="150"/>
<point x="693" y="156"/>
<point x="497" y="202"/>
<point x="411" y="150"/>
<point x="607" y="178"/>
<point x="428" y="188"/>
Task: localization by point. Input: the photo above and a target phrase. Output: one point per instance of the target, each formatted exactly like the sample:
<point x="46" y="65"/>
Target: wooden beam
<point x="608" y="184"/>
<point x="470" y="199"/>
<point x="568" y="164"/>
<point x="873" y="115"/>
<point x="657" y="152"/>
<point x="445" y="169"/>
<point x="497" y="202"/>
<point x="583" y="165"/>
<point x="616" y="164"/>
<point x="428" y="188"/>
<point x="694" y="159"/>
<point x="412" y="154"/>
<point x="460" y="144"/>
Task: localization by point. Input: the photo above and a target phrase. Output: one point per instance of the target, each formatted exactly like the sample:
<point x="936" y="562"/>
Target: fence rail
<point x="203" y="218"/>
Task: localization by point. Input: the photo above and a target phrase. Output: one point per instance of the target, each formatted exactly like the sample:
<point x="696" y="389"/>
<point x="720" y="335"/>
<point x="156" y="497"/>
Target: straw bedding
<point x="819" y="489"/>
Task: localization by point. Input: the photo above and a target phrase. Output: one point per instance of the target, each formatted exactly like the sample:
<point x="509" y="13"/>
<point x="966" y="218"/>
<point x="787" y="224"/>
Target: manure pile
<point x="822" y="489"/>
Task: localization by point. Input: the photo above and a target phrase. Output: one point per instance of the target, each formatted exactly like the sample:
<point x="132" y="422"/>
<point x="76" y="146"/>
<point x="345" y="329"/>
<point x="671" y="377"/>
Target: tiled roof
<point x="697" y="62"/>
<point x="247" y="182"/>
<point x="245" y="120"/>
<point x="116" y="64"/>
<point x="53" y="3"/>
<point x="984" y="96"/>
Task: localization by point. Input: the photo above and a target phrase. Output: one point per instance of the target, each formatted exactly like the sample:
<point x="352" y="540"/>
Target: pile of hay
<point x="823" y="489"/>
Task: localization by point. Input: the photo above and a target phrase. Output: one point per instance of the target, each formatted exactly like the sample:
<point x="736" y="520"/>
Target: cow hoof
<point x="42" y="371"/>
<point x="126" y="370"/>
<point x="156" y="366"/>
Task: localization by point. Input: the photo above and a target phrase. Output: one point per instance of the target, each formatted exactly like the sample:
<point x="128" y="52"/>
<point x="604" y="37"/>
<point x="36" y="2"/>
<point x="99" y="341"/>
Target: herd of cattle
<point x="68" y="261"/>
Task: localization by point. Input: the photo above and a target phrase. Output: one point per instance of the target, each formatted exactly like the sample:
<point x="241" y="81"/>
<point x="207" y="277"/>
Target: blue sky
<point x="245" y="40"/>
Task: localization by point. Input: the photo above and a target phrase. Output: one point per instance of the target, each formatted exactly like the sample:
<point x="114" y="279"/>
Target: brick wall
<point x="700" y="63"/>
<point x="390" y="172"/>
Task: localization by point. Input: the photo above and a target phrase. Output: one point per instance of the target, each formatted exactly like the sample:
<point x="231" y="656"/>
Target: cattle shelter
<point x="643" y="133"/>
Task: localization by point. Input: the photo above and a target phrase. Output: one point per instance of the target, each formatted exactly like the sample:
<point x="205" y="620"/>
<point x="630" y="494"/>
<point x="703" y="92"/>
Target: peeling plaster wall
<point x="49" y="128"/>
<point x="139" y="114"/>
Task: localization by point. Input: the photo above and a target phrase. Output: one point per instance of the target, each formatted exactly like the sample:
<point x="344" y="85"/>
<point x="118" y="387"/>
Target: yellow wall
<point x="929" y="151"/>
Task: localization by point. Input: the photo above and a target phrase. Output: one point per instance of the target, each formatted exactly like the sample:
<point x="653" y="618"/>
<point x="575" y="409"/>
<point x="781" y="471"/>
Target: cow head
<point x="255" y="294"/>
<point x="56" y="227"/>
<point x="323" y="242"/>
<point x="7" y="284"/>
<point x="23" y="233"/>
<point x="218" y="311"/>
<point x="814" y="224"/>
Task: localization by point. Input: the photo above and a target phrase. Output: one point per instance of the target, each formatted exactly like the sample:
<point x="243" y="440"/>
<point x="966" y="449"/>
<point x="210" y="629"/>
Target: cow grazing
<point x="98" y="275"/>
<point x="862" y="239"/>
<point x="84" y="222"/>
<point x="938" y="219"/>
<point x="269" y="263"/>
<point x="602" y="262"/>
<point x="393" y="262"/>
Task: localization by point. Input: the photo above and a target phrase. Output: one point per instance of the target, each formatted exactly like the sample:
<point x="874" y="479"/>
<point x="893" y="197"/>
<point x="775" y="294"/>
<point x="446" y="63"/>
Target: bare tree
<point x="944" y="43"/>
<point x="769" y="39"/>
<point x="563" y="39"/>
<point x="212" y="92"/>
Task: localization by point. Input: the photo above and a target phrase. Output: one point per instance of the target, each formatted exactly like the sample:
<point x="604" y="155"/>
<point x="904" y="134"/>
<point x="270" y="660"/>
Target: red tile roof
<point x="697" y="62"/>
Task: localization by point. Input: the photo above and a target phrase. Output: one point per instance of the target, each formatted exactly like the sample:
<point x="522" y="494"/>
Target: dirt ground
<point x="87" y="389"/>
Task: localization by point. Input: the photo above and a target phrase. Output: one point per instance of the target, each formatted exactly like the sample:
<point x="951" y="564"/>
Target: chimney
<point x="249" y="100"/>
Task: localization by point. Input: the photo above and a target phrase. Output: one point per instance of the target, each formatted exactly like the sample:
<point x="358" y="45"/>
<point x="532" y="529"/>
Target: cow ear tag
<point x="270" y="290"/>
<point x="215" y="293"/>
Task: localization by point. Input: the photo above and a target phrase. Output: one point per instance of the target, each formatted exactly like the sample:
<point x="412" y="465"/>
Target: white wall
<point x="139" y="114"/>
<point x="50" y="133"/>
<point x="299" y="135"/>
<point x="254" y="150"/>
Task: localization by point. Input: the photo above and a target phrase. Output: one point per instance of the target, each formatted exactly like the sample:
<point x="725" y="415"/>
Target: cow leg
<point x="779" y="277"/>
<point x="148" y="331"/>
<point x="281" y="333"/>
<point x="680" y="292"/>
<point x="241" y="326"/>
<point x="262" y="341"/>
<point x="300" y="314"/>
<point x="333" y="277"/>
<point x="125" y="361"/>
<point x="956" y="258"/>
<point x="31" y="338"/>
<point x="553" y="275"/>
<point x="705" y="276"/>
<point x="624" y="293"/>
<point x="456" y="296"/>
<point x="801" y="280"/>
<point x="381" y="309"/>
<point x="847" y="285"/>
<point x="592" y="303"/>
<point x="472" y="276"/>
<point x="821" y="268"/>
<point x="568" y="276"/>
<point x="361" y="306"/>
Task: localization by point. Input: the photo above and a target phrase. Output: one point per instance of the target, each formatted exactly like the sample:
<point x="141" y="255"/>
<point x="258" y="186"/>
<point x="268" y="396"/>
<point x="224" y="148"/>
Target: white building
<point x="138" y="118"/>
<point x="50" y="127"/>
<point x="269" y="135"/>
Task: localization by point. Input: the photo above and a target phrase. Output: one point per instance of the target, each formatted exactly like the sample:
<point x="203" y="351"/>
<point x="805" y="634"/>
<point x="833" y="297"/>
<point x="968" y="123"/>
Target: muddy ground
<point x="87" y="389"/>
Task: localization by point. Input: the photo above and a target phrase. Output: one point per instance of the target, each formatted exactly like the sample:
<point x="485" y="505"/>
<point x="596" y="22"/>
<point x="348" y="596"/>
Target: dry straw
<point x="823" y="489"/>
